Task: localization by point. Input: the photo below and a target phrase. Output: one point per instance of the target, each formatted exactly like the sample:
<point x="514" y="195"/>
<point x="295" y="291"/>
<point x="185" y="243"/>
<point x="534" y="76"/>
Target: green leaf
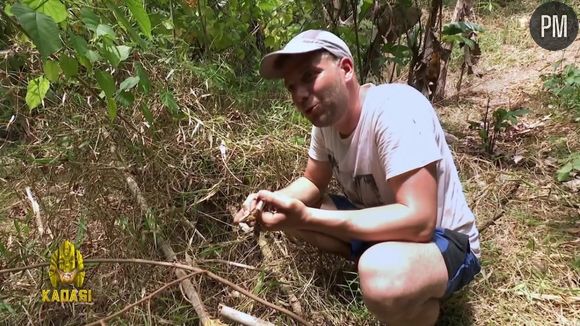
<point x="106" y="83"/>
<point x="139" y="13"/>
<point x="125" y="98"/>
<point x="169" y="102"/>
<point x="70" y="66"/>
<point x="129" y="83"/>
<point x="90" y="19"/>
<point x="111" y="108"/>
<point x="79" y="44"/>
<point x="106" y="31"/>
<point x="36" y="91"/>
<point x="563" y="174"/>
<point x="125" y="23"/>
<point x="53" y="8"/>
<point x="93" y="56"/>
<point x="8" y="10"/>
<point x="144" y="81"/>
<point x="51" y="70"/>
<point x="115" y="54"/>
<point x="147" y="114"/>
<point x="41" y="29"/>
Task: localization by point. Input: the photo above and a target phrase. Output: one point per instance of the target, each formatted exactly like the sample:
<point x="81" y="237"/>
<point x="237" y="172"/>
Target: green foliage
<point x="491" y="127"/>
<point x="565" y="88"/>
<point x="571" y="165"/>
<point x="458" y="32"/>
<point x="41" y="29"/>
<point x="36" y="91"/>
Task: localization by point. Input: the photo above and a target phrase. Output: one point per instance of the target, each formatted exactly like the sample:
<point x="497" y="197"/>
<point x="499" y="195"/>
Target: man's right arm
<point x="310" y="187"/>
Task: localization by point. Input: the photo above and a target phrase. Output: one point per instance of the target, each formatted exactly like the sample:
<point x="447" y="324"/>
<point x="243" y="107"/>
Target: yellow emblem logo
<point x="67" y="275"/>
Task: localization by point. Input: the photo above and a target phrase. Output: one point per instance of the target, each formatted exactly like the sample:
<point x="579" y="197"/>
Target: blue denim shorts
<point x="462" y="265"/>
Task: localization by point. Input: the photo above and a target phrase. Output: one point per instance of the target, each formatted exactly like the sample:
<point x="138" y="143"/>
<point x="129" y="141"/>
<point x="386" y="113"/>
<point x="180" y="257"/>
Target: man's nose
<point x="301" y="95"/>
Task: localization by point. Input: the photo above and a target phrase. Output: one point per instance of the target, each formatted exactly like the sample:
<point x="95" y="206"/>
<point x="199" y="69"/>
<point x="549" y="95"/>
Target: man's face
<point x="317" y="85"/>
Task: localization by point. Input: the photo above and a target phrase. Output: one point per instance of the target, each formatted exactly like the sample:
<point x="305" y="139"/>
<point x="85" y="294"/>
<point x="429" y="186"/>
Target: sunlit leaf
<point x="140" y="15"/>
<point x="106" y="31"/>
<point x="53" y="8"/>
<point x="129" y="83"/>
<point x="36" y="91"/>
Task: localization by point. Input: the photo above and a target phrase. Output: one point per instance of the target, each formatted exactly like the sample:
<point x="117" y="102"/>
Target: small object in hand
<point x="251" y="216"/>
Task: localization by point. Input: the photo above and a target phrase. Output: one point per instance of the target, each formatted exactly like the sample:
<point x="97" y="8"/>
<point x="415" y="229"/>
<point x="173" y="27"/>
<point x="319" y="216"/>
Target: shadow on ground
<point x="456" y="310"/>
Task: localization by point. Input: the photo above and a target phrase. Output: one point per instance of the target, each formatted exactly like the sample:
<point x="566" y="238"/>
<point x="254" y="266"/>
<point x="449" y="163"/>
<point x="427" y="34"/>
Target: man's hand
<point x="282" y="212"/>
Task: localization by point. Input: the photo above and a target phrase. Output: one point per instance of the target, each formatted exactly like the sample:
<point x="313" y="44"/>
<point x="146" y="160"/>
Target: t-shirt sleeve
<point x="406" y="140"/>
<point x="317" y="149"/>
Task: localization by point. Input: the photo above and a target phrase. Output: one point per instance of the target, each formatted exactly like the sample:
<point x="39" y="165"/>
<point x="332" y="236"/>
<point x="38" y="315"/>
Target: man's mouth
<point x="310" y="109"/>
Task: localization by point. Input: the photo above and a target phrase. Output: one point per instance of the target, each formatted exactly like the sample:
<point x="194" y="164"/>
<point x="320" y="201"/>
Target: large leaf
<point x="41" y="29"/>
<point x="36" y="91"/>
<point x="106" y="83"/>
<point x="129" y="83"/>
<point x="140" y="15"/>
<point x="70" y="66"/>
<point x="52" y="8"/>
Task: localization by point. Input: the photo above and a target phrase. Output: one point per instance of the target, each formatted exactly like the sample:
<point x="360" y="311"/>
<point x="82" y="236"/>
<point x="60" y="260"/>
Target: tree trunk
<point x="463" y="10"/>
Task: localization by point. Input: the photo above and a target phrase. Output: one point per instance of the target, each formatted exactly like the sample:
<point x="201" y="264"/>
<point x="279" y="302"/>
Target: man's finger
<point x="274" y="200"/>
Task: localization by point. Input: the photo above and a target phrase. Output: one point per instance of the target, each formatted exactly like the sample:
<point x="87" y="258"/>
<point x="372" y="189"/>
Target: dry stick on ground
<point x="36" y="210"/>
<point x="241" y="317"/>
<point x="175" y="265"/>
<point x="502" y="204"/>
<point x="103" y="320"/>
<point x="188" y="288"/>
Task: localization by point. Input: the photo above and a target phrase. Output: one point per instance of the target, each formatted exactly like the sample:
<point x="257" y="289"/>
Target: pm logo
<point x="554" y="26"/>
<point x="67" y="275"/>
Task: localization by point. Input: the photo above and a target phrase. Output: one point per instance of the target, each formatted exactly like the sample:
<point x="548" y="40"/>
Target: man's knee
<point x="392" y="283"/>
<point x="384" y="286"/>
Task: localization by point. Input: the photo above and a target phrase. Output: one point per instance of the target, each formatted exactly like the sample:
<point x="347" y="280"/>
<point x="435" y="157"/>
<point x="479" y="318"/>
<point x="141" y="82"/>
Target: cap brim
<point x="268" y="69"/>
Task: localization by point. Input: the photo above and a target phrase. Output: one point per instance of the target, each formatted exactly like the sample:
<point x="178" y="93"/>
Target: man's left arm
<point x="412" y="217"/>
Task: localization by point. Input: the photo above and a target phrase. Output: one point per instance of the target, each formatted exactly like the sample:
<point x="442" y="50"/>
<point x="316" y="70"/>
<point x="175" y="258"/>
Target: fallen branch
<point x="241" y="317"/>
<point x="148" y="297"/>
<point x="188" y="288"/>
<point x="36" y="209"/>
<point x="174" y="265"/>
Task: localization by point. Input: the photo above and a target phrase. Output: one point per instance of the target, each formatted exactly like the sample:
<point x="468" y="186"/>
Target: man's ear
<point x="347" y="65"/>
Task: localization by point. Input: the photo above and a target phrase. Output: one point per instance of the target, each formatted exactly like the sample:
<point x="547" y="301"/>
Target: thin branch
<point x="175" y="265"/>
<point x="241" y="317"/>
<point x="148" y="297"/>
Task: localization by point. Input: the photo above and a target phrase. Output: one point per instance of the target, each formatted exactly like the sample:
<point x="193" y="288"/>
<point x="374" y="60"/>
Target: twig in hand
<point x="148" y="297"/>
<point x="251" y="215"/>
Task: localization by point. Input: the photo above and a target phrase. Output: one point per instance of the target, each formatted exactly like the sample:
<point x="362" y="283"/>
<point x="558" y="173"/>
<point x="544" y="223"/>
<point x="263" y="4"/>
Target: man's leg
<point x="402" y="282"/>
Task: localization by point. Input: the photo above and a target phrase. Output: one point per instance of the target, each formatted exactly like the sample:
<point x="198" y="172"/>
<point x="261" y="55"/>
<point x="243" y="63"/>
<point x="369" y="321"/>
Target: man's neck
<point x="350" y="120"/>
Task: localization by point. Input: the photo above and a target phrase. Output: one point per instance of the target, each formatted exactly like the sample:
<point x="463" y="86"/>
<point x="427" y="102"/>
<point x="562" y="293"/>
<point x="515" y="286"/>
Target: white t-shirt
<point x="398" y="131"/>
